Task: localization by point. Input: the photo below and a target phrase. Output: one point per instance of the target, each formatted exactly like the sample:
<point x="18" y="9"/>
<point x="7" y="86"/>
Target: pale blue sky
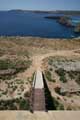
<point x="40" y="4"/>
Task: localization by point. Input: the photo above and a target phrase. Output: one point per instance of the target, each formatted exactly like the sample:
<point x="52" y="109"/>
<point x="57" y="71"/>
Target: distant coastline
<point x="65" y="12"/>
<point x="33" y="23"/>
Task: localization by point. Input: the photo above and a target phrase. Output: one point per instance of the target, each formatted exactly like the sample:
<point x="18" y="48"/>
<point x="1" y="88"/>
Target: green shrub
<point x="61" y="72"/>
<point x="78" y="79"/>
<point x="72" y="74"/>
<point x="24" y="104"/>
<point x="50" y="62"/>
<point x="27" y="94"/>
<point x="48" y="75"/>
<point x="58" y="105"/>
<point x="16" y="66"/>
<point x="5" y="64"/>
<point x="57" y="89"/>
<point x="12" y="104"/>
<point x="14" y="88"/>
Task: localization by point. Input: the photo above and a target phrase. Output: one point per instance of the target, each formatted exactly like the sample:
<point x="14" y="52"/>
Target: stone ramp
<point x="39" y="80"/>
<point x="37" y="99"/>
<point x="50" y="115"/>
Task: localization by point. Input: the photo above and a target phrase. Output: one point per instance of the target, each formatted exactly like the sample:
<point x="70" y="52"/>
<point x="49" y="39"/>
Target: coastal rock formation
<point x="65" y="21"/>
<point x="77" y="28"/>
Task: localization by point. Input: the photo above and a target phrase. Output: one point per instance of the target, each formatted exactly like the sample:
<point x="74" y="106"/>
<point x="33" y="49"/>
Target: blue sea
<point x="13" y="23"/>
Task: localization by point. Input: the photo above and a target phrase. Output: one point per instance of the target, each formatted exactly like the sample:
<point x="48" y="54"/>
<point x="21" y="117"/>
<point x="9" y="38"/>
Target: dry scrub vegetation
<point x="18" y="63"/>
<point x="63" y="77"/>
<point x="26" y="46"/>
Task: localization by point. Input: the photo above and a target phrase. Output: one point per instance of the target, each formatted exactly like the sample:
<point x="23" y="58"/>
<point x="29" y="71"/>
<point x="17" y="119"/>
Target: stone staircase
<point x="39" y="100"/>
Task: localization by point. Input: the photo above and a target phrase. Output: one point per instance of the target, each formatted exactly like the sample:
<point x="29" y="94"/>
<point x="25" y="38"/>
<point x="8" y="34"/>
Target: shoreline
<point x="37" y="37"/>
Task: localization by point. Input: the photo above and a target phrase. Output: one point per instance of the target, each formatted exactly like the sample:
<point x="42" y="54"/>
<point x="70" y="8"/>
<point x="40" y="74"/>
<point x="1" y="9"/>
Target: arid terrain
<point x="58" y="59"/>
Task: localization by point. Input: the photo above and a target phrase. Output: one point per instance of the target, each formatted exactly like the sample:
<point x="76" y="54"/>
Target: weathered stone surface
<point x="51" y="115"/>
